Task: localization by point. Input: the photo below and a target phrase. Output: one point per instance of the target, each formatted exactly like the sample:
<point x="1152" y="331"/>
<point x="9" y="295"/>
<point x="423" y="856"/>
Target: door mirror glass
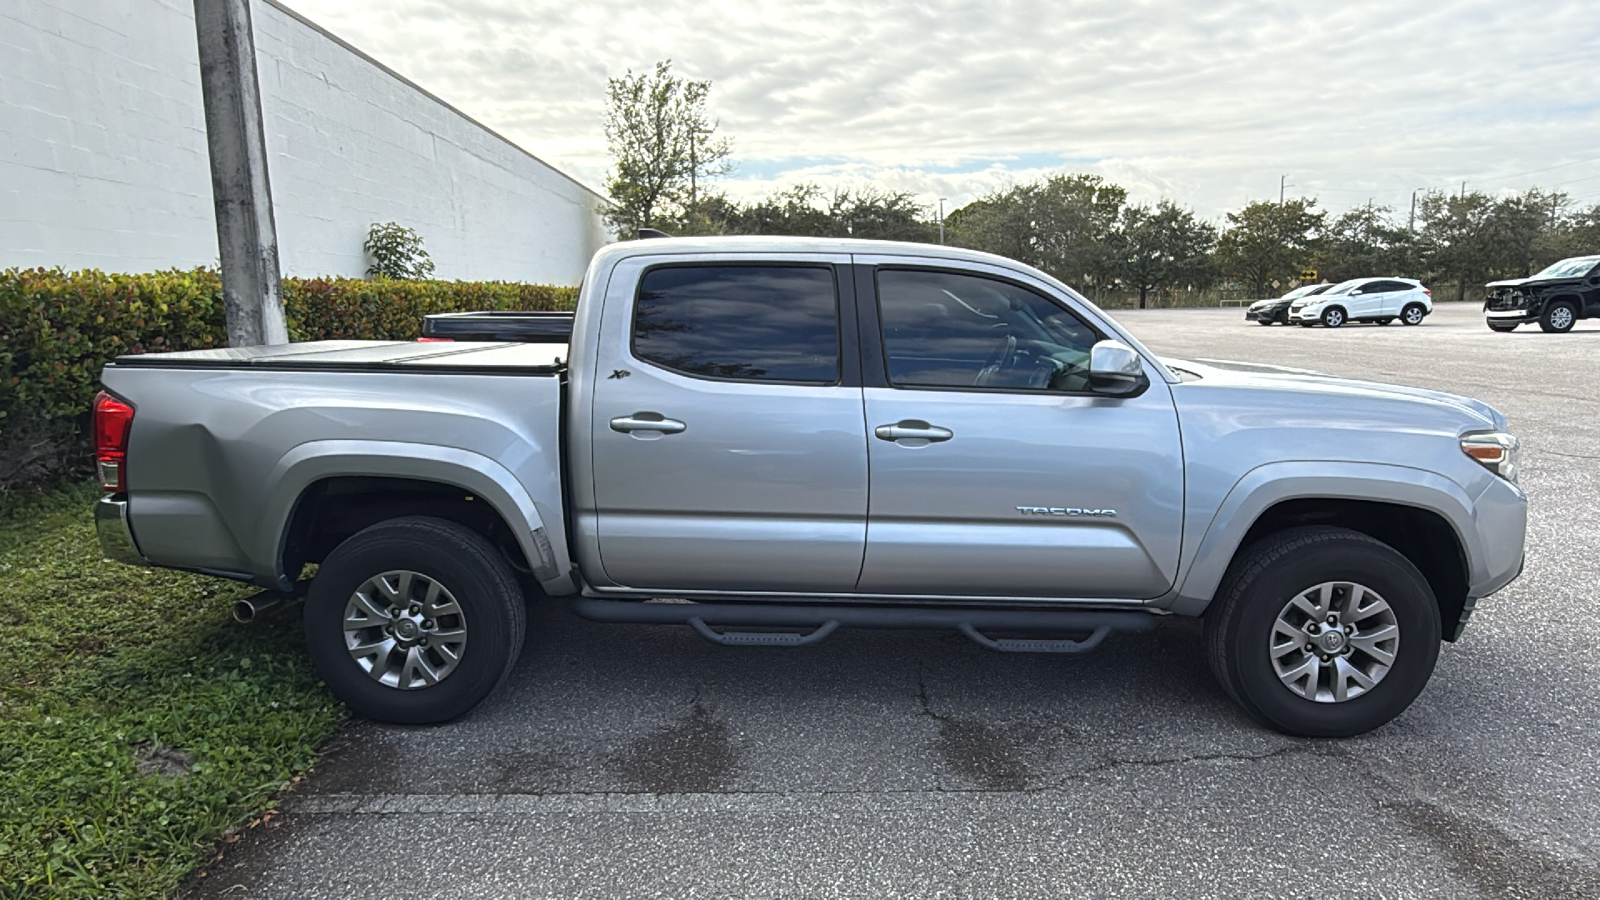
<point x="1116" y="370"/>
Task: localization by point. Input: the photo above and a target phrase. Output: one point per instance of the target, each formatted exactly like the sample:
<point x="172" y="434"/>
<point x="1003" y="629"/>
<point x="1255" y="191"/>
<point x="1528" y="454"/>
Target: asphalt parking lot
<point x="625" y="761"/>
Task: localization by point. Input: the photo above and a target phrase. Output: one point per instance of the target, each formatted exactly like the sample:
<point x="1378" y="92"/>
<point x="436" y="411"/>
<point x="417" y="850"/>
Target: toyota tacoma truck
<point x="766" y="439"/>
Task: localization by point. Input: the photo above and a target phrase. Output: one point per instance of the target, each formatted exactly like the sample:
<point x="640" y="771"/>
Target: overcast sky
<point x="1206" y="102"/>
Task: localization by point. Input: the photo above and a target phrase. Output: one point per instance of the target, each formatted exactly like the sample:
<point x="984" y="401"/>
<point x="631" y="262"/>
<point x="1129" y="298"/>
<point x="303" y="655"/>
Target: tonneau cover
<point x="391" y="356"/>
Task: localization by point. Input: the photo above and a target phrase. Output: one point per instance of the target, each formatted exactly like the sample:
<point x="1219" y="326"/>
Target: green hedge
<point x="57" y="329"/>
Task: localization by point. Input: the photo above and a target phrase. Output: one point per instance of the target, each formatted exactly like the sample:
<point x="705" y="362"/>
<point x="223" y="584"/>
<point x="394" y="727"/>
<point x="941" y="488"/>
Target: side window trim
<point x="874" y="347"/>
<point x="847" y="341"/>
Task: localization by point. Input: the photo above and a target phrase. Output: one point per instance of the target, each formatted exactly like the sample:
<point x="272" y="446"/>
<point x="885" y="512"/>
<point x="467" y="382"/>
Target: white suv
<point x="1380" y="300"/>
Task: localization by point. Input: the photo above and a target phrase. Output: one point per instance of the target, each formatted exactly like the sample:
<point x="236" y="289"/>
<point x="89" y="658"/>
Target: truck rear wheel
<point x="414" y="620"/>
<point x="1323" y="632"/>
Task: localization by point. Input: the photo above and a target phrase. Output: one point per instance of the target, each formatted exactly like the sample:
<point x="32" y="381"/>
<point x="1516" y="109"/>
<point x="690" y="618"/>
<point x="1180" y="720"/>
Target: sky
<point x="1208" y="103"/>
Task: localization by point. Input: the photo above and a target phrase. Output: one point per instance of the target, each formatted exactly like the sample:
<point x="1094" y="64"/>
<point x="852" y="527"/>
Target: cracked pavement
<point x="634" y="761"/>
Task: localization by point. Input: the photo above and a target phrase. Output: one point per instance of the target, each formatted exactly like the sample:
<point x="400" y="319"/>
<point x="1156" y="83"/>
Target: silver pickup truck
<point x="768" y="439"/>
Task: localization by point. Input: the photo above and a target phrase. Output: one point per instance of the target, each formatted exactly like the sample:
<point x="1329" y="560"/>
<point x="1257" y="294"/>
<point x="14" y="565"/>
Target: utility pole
<point x="1281" y="186"/>
<point x="694" y="166"/>
<point x="1411" y="221"/>
<point x="247" y="238"/>
<point x="941" y="218"/>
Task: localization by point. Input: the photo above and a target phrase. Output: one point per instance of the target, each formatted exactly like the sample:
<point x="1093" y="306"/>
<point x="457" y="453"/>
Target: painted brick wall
<point x="103" y="156"/>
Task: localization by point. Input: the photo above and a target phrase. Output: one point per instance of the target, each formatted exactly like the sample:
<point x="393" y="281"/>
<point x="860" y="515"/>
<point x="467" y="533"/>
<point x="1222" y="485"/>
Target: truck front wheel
<point x="1558" y="318"/>
<point x="1323" y="632"/>
<point x="414" y="620"/>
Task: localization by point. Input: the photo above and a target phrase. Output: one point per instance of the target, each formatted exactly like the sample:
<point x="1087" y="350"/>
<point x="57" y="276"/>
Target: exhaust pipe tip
<point x="248" y="610"/>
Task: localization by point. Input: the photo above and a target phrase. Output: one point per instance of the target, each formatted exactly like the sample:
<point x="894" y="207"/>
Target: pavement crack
<point x="927" y="702"/>
<point x="1110" y="764"/>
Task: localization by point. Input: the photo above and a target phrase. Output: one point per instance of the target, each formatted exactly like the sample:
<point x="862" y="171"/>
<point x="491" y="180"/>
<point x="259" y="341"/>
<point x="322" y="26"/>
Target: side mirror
<point x="1116" y="371"/>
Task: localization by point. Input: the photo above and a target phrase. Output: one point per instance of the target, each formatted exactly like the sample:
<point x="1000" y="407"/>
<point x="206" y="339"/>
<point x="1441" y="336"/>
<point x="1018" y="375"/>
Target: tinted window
<point x="941" y="329"/>
<point x="753" y="323"/>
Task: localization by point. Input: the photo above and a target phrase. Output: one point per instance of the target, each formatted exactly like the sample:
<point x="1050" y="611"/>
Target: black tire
<point x="1413" y="314"/>
<point x="466" y="565"/>
<point x="1555" y="322"/>
<point x="1266" y="576"/>
<point x="1306" y="323"/>
<point x="1263" y="321"/>
<point x="1384" y="321"/>
<point x="1334" y="316"/>
<point x="1503" y="328"/>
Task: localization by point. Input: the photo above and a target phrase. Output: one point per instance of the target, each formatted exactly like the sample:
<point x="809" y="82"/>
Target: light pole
<point x="941" y="218"/>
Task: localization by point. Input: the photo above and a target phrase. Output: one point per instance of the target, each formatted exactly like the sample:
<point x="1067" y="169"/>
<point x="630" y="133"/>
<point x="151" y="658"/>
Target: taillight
<point x="1428" y="292"/>
<point x="112" y="418"/>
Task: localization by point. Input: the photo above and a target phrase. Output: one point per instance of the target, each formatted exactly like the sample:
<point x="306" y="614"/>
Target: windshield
<point x="1570" y="268"/>
<point x="1345" y="287"/>
<point x="1300" y="292"/>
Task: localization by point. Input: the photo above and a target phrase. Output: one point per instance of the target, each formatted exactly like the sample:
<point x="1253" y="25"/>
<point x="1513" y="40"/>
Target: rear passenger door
<point x="729" y="448"/>
<point x="1391" y="295"/>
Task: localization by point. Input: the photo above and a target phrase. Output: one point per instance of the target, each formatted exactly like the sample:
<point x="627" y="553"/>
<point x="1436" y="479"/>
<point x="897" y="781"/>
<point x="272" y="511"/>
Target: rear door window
<point x="742" y="323"/>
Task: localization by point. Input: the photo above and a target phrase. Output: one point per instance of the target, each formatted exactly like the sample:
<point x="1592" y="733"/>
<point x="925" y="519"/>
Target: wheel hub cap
<point x="405" y="630"/>
<point x="1334" y="642"/>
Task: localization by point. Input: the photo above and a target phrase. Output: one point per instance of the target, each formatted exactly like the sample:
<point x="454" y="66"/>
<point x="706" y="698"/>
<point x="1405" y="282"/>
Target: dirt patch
<point x="153" y="759"/>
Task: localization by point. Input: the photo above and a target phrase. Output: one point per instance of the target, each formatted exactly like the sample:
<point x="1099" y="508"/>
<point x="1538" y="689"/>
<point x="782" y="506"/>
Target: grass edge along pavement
<point x="138" y="723"/>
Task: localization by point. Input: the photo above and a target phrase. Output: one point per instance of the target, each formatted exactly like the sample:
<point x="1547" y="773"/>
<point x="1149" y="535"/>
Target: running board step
<point x="804" y="625"/>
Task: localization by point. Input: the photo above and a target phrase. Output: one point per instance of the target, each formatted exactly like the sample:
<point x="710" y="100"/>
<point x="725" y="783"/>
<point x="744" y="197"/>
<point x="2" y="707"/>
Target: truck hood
<point x="1523" y="282"/>
<point x="1315" y="385"/>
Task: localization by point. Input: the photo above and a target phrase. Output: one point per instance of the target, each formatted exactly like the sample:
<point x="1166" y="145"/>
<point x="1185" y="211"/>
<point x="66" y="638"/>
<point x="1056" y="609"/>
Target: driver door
<point x="993" y="471"/>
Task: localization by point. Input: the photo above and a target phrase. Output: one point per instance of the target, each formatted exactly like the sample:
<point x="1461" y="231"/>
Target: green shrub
<point x="58" y="329"/>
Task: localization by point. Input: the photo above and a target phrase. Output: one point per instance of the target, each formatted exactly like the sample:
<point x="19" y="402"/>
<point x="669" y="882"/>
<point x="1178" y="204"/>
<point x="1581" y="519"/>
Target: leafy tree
<point x="1163" y="246"/>
<point x="1063" y="224"/>
<point x="1266" y="241"/>
<point x="1456" y="238"/>
<point x="396" y="252"/>
<point x="661" y="138"/>
<point x="1365" y="241"/>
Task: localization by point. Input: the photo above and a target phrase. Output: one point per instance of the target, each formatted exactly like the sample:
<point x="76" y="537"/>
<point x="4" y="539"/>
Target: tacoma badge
<point x="1065" y="511"/>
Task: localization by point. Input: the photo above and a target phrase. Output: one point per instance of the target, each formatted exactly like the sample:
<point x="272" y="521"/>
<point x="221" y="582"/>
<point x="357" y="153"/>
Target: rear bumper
<point x="116" y="537"/>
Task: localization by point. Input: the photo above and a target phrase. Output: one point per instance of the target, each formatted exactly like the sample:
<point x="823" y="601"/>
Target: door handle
<point x="647" y="421"/>
<point x="912" y="430"/>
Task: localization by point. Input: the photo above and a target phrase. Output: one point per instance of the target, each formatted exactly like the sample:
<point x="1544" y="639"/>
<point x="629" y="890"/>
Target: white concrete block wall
<point x="103" y="157"/>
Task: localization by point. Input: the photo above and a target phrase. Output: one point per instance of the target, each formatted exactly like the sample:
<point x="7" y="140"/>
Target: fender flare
<point x="1267" y="485"/>
<point x="315" y="461"/>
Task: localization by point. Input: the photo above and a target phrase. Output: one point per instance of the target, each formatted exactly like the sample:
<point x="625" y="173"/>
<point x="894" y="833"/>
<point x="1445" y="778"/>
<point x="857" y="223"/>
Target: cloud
<point x="1207" y="104"/>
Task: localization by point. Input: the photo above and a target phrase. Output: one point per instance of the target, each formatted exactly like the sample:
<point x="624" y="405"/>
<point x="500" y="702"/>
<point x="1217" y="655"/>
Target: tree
<point x="661" y="139"/>
<point x="1365" y="241"/>
<point x="1063" y="224"/>
<point x="396" y="252"/>
<point x="1163" y="246"/>
<point x="1455" y="237"/>
<point x="1267" y="241"/>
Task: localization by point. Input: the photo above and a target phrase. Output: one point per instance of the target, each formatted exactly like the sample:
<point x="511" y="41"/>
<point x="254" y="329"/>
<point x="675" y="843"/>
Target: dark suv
<point x="1556" y="298"/>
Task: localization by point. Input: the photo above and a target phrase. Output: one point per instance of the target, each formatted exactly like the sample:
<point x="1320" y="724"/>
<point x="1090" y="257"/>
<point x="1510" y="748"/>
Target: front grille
<point x="1500" y="301"/>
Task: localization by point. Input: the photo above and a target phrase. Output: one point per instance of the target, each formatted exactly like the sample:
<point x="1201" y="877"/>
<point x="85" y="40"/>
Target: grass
<point x="102" y="665"/>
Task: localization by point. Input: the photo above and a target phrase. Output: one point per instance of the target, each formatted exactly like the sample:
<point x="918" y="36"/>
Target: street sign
<point x="1276" y="284"/>
<point x="1308" y="275"/>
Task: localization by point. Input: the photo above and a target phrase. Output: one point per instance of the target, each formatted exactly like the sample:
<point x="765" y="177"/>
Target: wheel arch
<point x="374" y="480"/>
<point x="1422" y="515"/>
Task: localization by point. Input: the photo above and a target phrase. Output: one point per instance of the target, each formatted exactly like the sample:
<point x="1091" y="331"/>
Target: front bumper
<point x="1504" y="316"/>
<point x="1267" y="314"/>
<point x="116" y="537"/>
<point x="1501" y="514"/>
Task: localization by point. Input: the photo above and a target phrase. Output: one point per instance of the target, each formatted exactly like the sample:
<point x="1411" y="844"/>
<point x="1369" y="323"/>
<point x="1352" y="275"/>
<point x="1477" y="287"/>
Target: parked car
<point x="1380" y="300"/>
<point x="1556" y="298"/>
<point x="1276" y="309"/>
<point x="707" y="432"/>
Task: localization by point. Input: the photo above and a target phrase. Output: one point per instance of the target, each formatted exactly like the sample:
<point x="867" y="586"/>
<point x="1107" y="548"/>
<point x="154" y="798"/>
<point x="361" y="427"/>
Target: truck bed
<point x="498" y="358"/>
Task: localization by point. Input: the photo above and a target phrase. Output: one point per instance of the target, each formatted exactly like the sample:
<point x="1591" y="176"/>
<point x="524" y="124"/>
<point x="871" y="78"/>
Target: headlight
<point x="1494" y="450"/>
